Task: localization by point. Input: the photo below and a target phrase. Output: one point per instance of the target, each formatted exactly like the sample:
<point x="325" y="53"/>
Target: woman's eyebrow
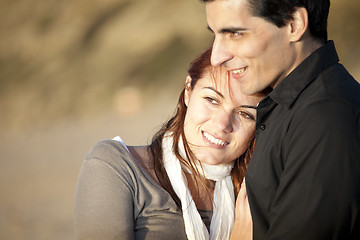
<point x="221" y="95"/>
<point x="248" y="106"/>
<point x="216" y="91"/>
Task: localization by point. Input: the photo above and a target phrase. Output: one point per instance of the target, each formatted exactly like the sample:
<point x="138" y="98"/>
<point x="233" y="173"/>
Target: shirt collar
<point x="292" y="85"/>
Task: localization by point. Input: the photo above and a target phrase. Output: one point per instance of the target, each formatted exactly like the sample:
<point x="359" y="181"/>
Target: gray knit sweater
<point x="117" y="199"/>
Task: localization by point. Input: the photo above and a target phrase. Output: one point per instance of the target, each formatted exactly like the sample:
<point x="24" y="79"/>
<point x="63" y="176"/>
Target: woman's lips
<point x="213" y="140"/>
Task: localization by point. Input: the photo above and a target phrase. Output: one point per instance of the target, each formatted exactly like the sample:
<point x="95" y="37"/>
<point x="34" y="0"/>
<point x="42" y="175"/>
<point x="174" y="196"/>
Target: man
<point x="303" y="181"/>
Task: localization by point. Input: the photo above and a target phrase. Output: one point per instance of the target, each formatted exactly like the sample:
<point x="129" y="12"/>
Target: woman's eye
<point x="211" y="100"/>
<point x="246" y="115"/>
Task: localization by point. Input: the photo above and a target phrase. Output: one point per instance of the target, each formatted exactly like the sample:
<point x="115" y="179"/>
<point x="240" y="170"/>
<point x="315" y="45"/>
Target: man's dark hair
<point x="279" y="12"/>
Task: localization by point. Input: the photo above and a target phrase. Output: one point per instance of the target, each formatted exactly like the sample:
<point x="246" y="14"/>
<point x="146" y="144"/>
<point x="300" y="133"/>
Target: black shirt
<point x="303" y="180"/>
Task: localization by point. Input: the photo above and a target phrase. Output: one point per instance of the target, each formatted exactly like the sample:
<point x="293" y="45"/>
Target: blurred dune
<point x="75" y="72"/>
<point x="68" y="58"/>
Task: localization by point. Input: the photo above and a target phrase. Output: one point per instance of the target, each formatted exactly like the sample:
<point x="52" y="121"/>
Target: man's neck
<point x="302" y="50"/>
<point x="306" y="47"/>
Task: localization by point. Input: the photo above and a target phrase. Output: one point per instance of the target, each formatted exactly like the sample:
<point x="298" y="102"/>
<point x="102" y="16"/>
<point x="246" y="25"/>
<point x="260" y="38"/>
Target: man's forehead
<point x="228" y="13"/>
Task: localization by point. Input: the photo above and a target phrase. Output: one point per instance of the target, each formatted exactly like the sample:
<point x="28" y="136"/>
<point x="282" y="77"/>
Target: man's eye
<point x="231" y="35"/>
<point x="236" y="34"/>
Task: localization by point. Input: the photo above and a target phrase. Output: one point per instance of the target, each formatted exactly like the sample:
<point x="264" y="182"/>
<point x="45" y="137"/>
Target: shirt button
<point x="262" y="126"/>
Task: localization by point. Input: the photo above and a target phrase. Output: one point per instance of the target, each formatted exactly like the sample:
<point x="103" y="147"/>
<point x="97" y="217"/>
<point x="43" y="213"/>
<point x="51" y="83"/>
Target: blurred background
<point x="73" y="72"/>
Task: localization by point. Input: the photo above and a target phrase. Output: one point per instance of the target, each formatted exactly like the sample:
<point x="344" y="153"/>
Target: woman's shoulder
<point x="106" y="148"/>
<point x="131" y="161"/>
<point x="113" y="154"/>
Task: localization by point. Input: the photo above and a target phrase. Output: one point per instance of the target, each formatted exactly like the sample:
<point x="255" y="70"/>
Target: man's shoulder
<point x="333" y="85"/>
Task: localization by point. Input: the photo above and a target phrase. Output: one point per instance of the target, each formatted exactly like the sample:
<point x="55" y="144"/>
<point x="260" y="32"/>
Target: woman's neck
<point x="202" y="195"/>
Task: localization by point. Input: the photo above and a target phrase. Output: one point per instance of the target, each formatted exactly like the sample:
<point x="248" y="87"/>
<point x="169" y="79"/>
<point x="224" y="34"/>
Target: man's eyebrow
<point x="216" y="91"/>
<point x="229" y="29"/>
<point x="232" y="30"/>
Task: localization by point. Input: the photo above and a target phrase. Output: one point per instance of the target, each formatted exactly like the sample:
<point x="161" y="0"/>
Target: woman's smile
<point x="220" y="119"/>
<point x="213" y="141"/>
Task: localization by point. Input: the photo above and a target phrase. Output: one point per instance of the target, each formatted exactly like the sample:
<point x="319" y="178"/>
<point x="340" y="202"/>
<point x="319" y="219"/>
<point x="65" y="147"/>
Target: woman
<point x="182" y="185"/>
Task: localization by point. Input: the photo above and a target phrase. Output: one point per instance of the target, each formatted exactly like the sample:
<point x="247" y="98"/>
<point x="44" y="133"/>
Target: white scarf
<point x="224" y="199"/>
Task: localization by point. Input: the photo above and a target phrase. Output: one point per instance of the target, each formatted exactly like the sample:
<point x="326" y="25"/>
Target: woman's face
<point x="220" y="120"/>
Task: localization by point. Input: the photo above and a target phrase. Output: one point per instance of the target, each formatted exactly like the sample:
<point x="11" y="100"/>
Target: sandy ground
<point x="40" y="167"/>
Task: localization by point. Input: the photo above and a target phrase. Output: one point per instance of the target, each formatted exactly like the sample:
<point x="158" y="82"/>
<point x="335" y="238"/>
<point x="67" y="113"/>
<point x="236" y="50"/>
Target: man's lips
<point x="237" y="73"/>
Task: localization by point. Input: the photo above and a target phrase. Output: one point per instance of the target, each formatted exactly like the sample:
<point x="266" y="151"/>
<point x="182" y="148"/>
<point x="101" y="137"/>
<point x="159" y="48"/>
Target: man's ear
<point x="187" y="90"/>
<point x="298" y="24"/>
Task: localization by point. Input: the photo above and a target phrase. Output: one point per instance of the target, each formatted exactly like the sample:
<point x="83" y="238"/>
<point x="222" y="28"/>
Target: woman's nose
<point x="224" y="121"/>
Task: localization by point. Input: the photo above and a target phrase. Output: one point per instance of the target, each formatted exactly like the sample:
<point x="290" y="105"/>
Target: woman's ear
<point x="298" y="24"/>
<point x="187" y="90"/>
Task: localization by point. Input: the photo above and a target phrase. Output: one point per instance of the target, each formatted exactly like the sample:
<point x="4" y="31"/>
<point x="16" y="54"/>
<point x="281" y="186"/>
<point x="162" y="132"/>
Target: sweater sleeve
<point x="104" y="196"/>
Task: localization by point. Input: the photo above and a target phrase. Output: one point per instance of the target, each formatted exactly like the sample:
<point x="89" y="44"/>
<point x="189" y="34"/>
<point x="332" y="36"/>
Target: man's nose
<point x="220" y="53"/>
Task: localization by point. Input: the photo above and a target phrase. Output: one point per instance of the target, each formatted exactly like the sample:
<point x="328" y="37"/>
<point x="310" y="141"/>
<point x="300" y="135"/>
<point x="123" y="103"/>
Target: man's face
<point x="256" y="52"/>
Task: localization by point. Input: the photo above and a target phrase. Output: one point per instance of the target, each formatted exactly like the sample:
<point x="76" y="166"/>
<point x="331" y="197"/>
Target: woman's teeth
<point x="214" y="140"/>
